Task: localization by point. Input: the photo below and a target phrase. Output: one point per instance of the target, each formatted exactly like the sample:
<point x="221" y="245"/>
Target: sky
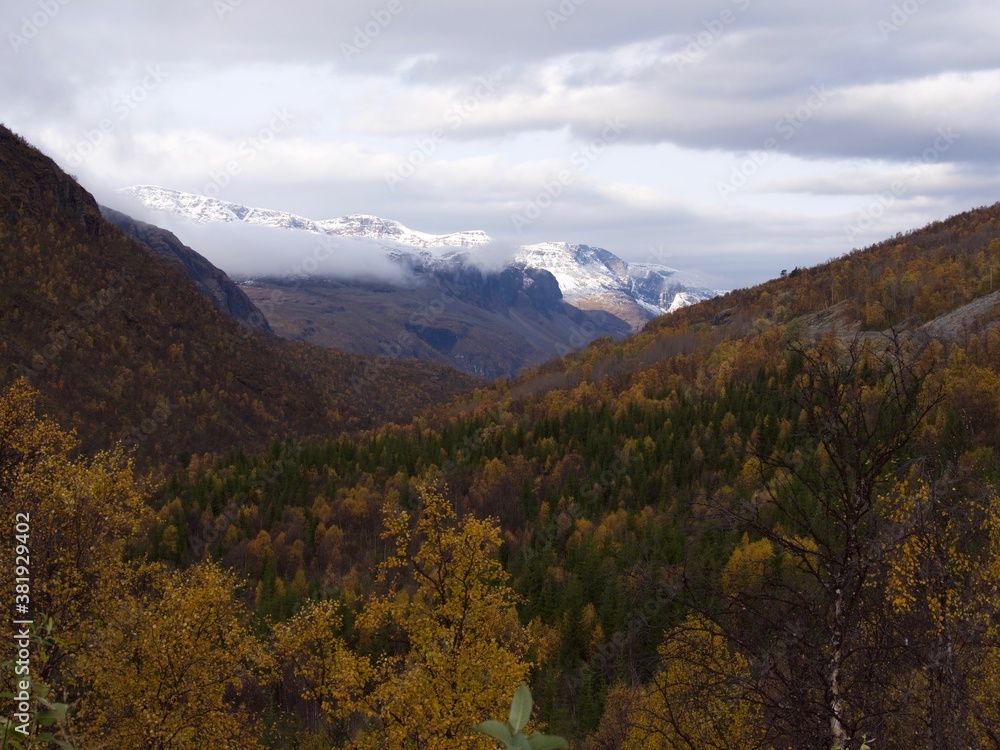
<point x="735" y="138"/>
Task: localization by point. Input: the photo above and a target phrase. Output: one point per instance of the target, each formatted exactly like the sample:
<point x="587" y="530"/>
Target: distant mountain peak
<point x="589" y="277"/>
<point x="205" y="210"/>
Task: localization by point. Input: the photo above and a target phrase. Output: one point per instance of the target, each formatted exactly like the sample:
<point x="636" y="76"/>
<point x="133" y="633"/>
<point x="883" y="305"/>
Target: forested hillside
<point x="762" y="505"/>
<point x="122" y="347"/>
<point x="767" y="521"/>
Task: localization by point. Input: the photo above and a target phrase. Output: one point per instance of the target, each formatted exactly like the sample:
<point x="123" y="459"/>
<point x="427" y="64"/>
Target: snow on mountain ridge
<point x="585" y="272"/>
<point x="363" y="225"/>
<point x="573" y="266"/>
<point x="587" y="276"/>
<point x="203" y="210"/>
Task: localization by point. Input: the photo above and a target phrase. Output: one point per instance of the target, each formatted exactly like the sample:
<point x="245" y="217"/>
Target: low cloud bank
<point x="252" y="251"/>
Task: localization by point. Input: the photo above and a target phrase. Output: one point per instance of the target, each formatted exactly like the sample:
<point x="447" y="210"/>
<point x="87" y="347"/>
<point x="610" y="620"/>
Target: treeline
<point x="901" y="282"/>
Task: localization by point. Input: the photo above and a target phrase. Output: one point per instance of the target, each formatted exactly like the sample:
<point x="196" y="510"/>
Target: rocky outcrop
<point x="210" y="281"/>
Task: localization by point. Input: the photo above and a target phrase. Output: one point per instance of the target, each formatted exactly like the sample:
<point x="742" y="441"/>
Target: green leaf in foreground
<point x="510" y="733"/>
<point x="520" y="709"/>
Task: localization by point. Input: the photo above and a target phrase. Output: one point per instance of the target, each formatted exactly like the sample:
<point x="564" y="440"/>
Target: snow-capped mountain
<point x="361" y="225"/>
<point x="590" y="278"/>
<point x="204" y="210"/>
<point x="595" y="278"/>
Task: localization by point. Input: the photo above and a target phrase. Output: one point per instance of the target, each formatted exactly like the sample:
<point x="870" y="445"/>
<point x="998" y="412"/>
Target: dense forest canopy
<point x="767" y="521"/>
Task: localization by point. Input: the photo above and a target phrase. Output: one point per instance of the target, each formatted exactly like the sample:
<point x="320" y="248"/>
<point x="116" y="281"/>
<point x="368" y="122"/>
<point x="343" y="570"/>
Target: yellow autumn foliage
<point x="174" y="649"/>
<point x="461" y="650"/>
<point x="698" y="698"/>
<point x="79" y="510"/>
<point x="747" y="566"/>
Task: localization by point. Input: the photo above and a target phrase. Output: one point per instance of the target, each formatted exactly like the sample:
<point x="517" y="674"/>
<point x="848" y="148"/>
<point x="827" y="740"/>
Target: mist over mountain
<point x="366" y="248"/>
<point x="126" y="334"/>
<point x="369" y="285"/>
<point x="246" y="250"/>
<point x="210" y="281"/>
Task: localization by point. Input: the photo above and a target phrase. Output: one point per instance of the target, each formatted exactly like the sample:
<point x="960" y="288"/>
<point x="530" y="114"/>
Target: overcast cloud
<point x="736" y="137"/>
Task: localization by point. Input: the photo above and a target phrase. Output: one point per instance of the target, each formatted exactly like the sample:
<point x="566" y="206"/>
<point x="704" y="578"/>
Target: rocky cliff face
<point x="511" y="286"/>
<point x="210" y="281"/>
<point x="487" y="324"/>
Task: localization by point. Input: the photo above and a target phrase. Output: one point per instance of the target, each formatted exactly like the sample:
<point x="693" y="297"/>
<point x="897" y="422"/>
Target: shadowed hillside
<point x="122" y="345"/>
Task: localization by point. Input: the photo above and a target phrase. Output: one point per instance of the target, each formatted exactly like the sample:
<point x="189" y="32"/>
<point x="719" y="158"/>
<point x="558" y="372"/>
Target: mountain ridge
<point x="122" y="346"/>
<point x="488" y="324"/>
<point x="589" y="277"/>
<point x="211" y="281"/>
